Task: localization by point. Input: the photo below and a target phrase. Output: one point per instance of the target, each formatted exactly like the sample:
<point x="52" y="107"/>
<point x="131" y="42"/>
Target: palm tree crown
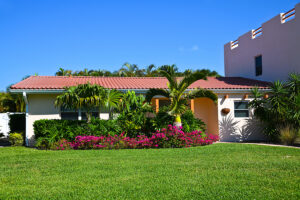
<point x="85" y="96"/>
<point x="177" y="91"/>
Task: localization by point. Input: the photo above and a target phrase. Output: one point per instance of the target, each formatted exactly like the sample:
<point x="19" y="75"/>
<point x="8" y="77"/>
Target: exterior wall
<point x="229" y="128"/>
<point x="40" y="106"/>
<point x="279" y="45"/>
<point x="207" y="111"/>
<point x="232" y="129"/>
<point x="4" y="126"/>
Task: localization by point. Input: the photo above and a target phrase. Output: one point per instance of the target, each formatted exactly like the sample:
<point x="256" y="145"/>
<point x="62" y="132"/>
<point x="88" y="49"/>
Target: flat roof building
<point x="268" y="53"/>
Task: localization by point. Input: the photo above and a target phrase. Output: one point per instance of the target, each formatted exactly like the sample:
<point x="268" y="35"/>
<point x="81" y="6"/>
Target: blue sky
<point x="42" y="35"/>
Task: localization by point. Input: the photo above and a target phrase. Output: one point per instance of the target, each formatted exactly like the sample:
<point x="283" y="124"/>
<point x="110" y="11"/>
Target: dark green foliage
<point x="133" y="115"/>
<point x="133" y="70"/>
<point x="162" y="118"/>
<point x="49" y="131"/>
<point x="189" y="121"/>
<point x="281" y="109"/>
<point x="17" y="122"/>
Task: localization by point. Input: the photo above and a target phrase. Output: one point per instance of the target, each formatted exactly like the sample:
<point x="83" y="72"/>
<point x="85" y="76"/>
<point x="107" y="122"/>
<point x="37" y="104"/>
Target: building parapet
<point x="284" y="17"/>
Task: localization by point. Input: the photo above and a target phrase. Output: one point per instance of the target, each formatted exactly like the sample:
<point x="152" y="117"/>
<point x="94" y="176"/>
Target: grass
<point x="219" y="171"/>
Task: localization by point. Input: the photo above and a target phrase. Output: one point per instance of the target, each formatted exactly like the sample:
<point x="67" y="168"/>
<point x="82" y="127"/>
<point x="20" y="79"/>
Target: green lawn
<point x="219" y="171"/>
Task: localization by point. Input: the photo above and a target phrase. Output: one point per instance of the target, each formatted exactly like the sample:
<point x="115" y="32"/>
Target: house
<point x="234" y="93"/>
<point x="269" y="52"/>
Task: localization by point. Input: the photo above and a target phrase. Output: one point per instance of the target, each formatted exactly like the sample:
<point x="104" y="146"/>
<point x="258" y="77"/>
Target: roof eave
<point x="140" y="91"/>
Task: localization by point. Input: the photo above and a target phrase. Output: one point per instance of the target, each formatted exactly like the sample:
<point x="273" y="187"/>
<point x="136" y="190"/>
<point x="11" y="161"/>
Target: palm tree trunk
<point x="89" y="117"/>
<point x="177" y="121"/>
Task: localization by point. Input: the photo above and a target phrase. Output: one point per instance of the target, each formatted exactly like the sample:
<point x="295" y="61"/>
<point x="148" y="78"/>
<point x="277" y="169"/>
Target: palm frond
<point x="198" y="93"/>
<point x="153" y="92"/>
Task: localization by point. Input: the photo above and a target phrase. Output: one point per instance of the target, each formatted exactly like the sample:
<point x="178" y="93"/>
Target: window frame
<point x="234" y="109"/>
<point x="65" y="110"/>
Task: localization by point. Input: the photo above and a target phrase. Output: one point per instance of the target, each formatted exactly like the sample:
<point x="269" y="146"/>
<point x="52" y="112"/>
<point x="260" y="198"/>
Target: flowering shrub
<point x="170" y="137"/>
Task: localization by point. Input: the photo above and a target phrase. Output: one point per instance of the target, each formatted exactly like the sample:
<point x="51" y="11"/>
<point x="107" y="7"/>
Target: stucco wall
<point x="279" y="46"/>
<point x="229" y="128"/>
<point x="232" y="129"/>
<point x="40" y="106"/>
<point x="206" y="110"/>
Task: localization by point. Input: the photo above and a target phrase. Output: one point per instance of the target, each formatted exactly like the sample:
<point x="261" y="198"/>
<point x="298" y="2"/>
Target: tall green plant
<point x="111" y="100"/>
<point x="177" y="91"/>
<point x="133" y="110"/>
<point x="85" y="96"/>
<point x="281" y="109"/>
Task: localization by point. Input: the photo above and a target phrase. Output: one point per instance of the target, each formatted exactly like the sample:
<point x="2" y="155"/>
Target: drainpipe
<point x="26" y="118"/>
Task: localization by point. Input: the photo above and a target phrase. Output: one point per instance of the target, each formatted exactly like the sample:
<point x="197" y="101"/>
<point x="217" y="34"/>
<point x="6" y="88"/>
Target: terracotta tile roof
<point x="59" y="82"/>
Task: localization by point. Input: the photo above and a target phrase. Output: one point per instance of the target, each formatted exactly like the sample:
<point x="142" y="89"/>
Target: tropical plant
<point x="12" y="102"/>
<point x="86" y="97"/>
<point x="111" y="100"/>
<point x="281" y="109"/>
<point x="177" y="91"/>
<point x="133" y="109"/>
<point x="129" y="70"/>
<point x="63" y="72"/>
<point x="288" y="135"/>
<point x="151" y="71"/>
<point x="16" y="139"/>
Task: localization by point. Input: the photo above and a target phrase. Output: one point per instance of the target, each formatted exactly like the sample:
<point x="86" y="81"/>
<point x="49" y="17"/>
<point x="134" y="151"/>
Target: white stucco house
<point x="265" y="54"/>
<point x="234" y="93"/>
<point x="269" y="52"/>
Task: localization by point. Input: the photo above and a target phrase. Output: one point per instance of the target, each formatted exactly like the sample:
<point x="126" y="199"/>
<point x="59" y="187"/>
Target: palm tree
<point x="12" y="102"/>
<point x="150" y="71"/>
<point x="111" y="100"/>
<point x="129" y="70"/>
<point x="63" y="72"/>
<point x="84" y="96"/>
<point x="177" y="91"/>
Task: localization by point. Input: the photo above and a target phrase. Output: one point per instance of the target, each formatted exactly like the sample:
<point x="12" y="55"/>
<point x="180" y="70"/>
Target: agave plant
<point x="177" y="91"/>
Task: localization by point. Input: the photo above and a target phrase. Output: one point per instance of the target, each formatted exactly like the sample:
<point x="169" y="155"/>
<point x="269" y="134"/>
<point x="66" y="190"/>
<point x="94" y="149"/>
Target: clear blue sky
<point x="40" y="36"/>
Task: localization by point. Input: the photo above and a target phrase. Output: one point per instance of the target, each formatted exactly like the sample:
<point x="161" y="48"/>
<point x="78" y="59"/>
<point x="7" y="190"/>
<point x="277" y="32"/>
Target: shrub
<point x="16" y="139"/>
<point x="189" y="121"/>
<point x="170" y="137"/>
<point x="282" y="108"/>
<point x="288" y="135"/>
<point x="132" y="118"/>
<point x="50" y="131"/>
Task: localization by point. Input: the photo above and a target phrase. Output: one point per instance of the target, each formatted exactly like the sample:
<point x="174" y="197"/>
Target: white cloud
<point x="189" y="49"/>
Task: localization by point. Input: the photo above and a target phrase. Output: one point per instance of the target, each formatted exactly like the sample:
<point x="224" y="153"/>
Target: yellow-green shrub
<point x="16" y="139"/>
<point x="288" y="135"/>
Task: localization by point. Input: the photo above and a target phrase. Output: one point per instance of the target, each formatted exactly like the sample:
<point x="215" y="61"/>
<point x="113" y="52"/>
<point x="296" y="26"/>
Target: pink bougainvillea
<point x="170" y="137"/>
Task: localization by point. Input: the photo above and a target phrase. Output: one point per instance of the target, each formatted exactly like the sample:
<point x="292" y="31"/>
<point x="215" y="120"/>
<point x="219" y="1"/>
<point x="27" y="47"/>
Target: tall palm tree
<point x="85" y="96"/>
<point x="177" y="91"/>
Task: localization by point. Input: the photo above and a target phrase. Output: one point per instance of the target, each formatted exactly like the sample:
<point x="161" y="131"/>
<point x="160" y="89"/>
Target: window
<point x="164" y="102"/>
<point x="258" y="65"/>
<point x="68" y="114"/>
<point x="241" y="109"/>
